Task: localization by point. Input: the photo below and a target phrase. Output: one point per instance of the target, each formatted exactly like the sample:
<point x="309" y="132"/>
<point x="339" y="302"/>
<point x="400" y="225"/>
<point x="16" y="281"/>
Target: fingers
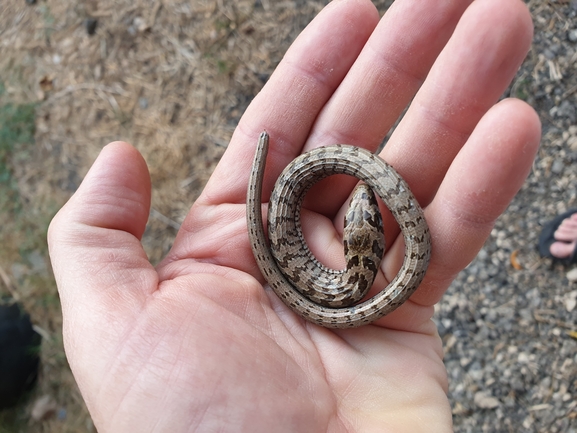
<point x="482" y="57"/>
<point x="94" y="240"/>
<point x="470" y="74"/>
<point x="381" y="83"/>
<point x="115" y="193"/>
<point x="474" y="68"/>
<point x="390" y="69"/>
<point x="289" y="103"/>
<point x="479" y="185"/>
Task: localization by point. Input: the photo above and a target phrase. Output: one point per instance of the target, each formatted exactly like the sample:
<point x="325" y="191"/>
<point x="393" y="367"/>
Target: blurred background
<point x="173" y="78"/>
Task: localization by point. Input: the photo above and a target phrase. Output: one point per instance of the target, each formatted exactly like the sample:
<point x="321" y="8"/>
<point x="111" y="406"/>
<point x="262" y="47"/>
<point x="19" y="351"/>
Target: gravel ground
<point x="508" y="322"/>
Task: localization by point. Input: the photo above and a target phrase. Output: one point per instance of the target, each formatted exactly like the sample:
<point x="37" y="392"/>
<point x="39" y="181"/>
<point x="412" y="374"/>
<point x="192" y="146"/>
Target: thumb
<point x="115" y="194"/>
<point x="101" y="269"/>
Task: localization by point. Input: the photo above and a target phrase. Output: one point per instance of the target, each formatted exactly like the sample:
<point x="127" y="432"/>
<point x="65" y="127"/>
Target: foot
<point x="566" y="236"/>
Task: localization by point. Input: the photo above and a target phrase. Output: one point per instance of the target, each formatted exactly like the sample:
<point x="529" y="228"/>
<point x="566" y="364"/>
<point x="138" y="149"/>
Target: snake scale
<point x="324" y="296"/>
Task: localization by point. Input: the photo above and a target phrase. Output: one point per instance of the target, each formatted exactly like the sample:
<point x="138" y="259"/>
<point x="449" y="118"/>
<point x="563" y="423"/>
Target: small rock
<point x="62" y="414"/>
<point x="483" y="275"/>
<point x="263" y="77"/>
<point x="557" y="166"/>
<point x="555" y="48"/>
<point x="30" y="2"/>
<point x="476" y="375"/>
<point x="483" y="254"/>
<point x="493" y="270"/>
<point x="44" y="408"/>
<point x="571" y="301"/>
<point x="140" y="24"/>
<point x="37" y="262"/>
<point x="567" y="109"/>
<point x="572" y="275"/>
<point x="569" y="348"/>
<point x="19" y="271"/>
<point x="572" y="35"/>
<point x="549" y="55"/>
<point x="98" y="72"/>
<point x="485" y="401"/>
<point x="528" y="422"/>
<point x="90" y="25"/>
<point x="523" y="358"/>
<point x="459" y="409"/>
<point x="143" y="103"/>
<point x="518" y="384"/>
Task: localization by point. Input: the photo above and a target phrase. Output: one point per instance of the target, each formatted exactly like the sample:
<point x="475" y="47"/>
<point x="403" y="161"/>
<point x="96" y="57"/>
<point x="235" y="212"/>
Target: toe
<point x="562" y="250"/>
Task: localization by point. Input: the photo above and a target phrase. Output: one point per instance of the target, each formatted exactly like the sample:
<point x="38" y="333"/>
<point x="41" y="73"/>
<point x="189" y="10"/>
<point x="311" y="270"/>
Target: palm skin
<point x="197" y="343"/>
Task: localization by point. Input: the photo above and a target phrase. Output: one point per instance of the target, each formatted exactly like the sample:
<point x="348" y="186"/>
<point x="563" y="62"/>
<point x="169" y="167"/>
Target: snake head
<point x="363" y="238"/>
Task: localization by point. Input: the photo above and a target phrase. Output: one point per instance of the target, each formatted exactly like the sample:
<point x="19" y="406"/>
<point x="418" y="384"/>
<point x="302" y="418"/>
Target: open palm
<point x="197" y="343"/>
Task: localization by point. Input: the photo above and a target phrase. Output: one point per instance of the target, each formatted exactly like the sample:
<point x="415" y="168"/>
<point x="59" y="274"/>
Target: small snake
<point x="324" y="296"/>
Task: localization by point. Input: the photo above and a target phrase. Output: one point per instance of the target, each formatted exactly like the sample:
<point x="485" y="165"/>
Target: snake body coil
<point x="301" y="284"/>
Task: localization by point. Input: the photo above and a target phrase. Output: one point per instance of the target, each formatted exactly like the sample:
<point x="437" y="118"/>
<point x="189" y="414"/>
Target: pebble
<point x="567" y="109"/>
<point x="37" y="262"/>
<point x="572" y="275"/>
<point x="143" y="102"/>
<point x="570" y="301"/>
<point x="90" y="25"/>
<point x="140" y="24"/>
<point x="572" y="35"/>
<point x="557" y="166"/>
<point x="43" y="408"/>
<point x="19" y="270"/>
<point x="549" y="54"/>
<point x="485" y="401"/>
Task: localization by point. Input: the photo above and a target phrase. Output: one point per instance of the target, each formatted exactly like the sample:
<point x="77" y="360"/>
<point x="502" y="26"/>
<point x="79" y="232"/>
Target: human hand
<point x="196" y="344"/>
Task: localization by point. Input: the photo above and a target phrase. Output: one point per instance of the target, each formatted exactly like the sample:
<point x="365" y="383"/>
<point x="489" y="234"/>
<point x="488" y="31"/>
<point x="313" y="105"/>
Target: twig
<point x="537" y="314"/>
<point x="86" y="86"/>
<point x="8" y="284"/>
<point x="169" y="222"/>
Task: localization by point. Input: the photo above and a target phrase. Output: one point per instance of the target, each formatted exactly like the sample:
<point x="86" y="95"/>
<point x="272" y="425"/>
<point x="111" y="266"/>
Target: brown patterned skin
<point x="286" y="235"/>
<point x="363" y="241"/>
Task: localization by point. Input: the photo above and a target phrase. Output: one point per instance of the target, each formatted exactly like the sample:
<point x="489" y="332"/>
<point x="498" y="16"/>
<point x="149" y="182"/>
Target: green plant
<point x="16" y="132"/>
<point x="520" y="88"/>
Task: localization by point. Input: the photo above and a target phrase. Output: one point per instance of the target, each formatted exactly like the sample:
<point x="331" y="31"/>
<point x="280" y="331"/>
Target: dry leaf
<point x="514" y="262"/>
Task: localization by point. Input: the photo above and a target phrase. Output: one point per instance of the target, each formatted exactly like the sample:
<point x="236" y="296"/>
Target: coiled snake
<point x="318" y="294"/>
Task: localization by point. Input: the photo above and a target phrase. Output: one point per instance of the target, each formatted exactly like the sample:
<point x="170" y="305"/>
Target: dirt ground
<point x="173" y="78"/>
